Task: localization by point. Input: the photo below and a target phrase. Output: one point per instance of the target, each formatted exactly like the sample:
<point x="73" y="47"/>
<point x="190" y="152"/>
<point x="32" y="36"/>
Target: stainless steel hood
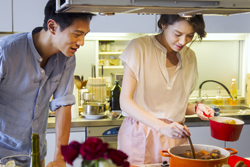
<point x="220" y="7"/>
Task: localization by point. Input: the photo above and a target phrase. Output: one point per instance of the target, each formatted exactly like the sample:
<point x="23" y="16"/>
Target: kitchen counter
<point x="191" y="121"/>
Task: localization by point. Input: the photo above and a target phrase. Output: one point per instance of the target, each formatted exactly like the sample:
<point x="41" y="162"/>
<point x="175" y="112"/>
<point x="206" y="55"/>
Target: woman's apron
<point x="143" y="144"/>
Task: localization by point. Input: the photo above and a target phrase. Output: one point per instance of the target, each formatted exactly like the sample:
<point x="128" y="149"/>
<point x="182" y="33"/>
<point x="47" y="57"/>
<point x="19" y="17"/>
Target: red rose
<point x="125" y="164"/>
<point x="93" y="148"/>
<point x="117" y="156"/>
<point x="70" y="152"/>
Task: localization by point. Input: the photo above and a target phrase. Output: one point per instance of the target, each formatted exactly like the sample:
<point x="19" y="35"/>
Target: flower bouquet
<point x="94" y="153"/>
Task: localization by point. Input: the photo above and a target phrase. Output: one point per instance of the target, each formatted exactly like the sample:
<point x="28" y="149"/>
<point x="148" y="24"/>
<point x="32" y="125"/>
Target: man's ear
<point x="52" y="26"/>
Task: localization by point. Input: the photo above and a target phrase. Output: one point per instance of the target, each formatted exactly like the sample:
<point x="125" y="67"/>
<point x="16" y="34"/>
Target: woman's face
<point x="178" y="35"/>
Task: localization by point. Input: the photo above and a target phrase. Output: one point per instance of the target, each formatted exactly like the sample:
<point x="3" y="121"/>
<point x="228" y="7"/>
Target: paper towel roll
<point x="75" y="108"/>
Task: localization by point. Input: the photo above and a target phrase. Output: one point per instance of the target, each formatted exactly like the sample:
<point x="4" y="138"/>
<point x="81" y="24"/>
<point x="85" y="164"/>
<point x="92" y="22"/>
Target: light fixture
<point x="107" y="13"/>
<point x="186" y="15"/>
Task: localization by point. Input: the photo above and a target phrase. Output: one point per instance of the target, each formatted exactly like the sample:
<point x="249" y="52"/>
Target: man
<point x="33" y="67"/>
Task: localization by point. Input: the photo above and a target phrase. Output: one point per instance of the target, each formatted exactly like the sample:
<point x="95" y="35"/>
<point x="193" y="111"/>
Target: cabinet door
<point x="202" y="135"/>
<point x="228" y="24"/>
<point x="28" y="14"/>
<point x="76" y="134"/>
<point x="242" y="145"/>
<point x="6" y="16"/>
<point x="86" y="55"/>
<point x="124" y="23"/>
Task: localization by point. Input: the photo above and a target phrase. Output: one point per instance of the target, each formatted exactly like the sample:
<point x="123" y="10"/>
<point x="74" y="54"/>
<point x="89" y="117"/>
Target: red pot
<point x="177" y="161"/>
<point x="223" y="131"/>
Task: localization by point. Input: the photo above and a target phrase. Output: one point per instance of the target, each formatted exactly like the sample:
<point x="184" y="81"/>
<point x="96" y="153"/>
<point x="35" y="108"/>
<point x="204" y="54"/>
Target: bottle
<point x="115" y="96"/>
<point x="218" y="98"/>
<point x="35" y="153"/>
<point x="233" y="91"/>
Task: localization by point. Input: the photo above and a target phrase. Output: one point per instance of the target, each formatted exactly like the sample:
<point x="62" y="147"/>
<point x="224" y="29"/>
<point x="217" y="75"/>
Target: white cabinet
<point x="228" y="24"/>
<point x="86" y="55"/>
<point x="125" y="23"/>
<point x="28" y="14"/>
<point x="110" y="58"/>
<point x="6" y="16"/>
<point x="76" y="134"/>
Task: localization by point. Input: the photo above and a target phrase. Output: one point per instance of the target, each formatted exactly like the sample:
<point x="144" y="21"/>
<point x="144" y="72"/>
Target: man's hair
<point x="64" y="20"/>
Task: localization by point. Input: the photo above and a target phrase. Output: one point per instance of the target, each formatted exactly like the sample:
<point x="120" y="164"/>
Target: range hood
<point x="220" y="7"/>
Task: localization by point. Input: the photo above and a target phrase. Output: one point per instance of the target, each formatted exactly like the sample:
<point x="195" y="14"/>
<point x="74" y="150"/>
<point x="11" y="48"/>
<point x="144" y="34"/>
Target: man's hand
<point x="57" y="164"/>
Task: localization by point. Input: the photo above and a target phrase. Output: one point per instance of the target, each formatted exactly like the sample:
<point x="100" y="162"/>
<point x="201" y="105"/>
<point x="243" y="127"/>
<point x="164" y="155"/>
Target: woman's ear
<point x="163" y="26"/>
<point x="52" y="26"/>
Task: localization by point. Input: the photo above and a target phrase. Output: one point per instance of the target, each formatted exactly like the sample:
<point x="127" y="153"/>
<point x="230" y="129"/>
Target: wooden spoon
<point x="192" y="147"/>
<point x="191" y="144"/>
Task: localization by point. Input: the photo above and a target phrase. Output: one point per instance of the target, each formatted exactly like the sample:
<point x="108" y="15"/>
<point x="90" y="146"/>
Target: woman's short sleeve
<point x="132" y="56"/>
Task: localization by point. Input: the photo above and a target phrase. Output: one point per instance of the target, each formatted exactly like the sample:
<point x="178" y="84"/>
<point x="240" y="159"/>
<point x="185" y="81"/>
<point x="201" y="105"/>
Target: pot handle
<point x="233" y="151"/>
<point x="165" y="153"/>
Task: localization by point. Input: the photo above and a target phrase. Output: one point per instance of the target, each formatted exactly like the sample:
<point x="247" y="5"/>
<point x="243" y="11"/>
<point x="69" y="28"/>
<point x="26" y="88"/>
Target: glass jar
<point x="108" y="46"/>
<point x="103" y="46"/>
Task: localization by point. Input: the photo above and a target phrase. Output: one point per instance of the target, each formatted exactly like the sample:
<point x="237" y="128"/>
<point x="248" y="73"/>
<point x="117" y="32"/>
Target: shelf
<point x="110" y="53"/>
<point x="112" y="67"/>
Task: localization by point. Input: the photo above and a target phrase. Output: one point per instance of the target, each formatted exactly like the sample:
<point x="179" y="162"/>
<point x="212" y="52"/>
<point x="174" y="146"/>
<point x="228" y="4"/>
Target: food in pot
<point x="230" y="121"/>
<point x="215" y="154"/>
<point x="203" y="154"/>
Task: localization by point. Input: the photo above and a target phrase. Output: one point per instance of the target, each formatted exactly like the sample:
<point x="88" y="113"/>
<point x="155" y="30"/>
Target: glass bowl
<point x="15" y="161"/>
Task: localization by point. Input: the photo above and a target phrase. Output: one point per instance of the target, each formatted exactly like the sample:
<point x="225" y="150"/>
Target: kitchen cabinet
<point x="124" y="23"/>
<point x="225" y="24"/>
<point x="28" y="14"/>
<point x="6" y="16"/>
<point x="76" y="134"/>
<point x="86" y="55"/>
<point x="228" y="24"/>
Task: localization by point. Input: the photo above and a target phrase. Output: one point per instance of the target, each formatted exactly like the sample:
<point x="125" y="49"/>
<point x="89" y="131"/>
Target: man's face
<point x="72" y="37"/>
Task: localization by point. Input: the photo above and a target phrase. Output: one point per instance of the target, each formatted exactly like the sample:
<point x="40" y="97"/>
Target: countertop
<point x="191" y="121"/>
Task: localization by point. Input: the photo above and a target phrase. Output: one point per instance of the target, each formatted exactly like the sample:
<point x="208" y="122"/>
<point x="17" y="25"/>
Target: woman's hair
<point x="64" y="20"/>
<point x="197" y="22"/>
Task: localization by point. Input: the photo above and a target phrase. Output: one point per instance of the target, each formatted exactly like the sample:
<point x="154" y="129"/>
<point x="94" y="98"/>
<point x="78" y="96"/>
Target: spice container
<point x="103" y="46"/>
<point x="102" y="61"/>
<point x="108" y="46"/>
<point x="113" y="61"/>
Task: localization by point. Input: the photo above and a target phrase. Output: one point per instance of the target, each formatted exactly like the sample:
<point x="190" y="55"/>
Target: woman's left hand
<point x="207" y="110"/>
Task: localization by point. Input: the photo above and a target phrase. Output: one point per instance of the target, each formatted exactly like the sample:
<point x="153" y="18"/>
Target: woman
<point x="160" y="73"/>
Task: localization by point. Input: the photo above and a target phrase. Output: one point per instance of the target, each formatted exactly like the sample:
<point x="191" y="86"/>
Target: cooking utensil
<point x="93" y="108"/>
<point x="176" y="161"/>
<point x="192" y="147"/>
<point x="78" y="82"/>
<point x="190" y="142"/>
<point x="223" y="131"/>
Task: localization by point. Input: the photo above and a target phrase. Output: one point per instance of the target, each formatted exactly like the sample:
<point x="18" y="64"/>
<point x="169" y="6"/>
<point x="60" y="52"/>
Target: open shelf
<point x="111" y="67"/>
<point x="110" y="53"/>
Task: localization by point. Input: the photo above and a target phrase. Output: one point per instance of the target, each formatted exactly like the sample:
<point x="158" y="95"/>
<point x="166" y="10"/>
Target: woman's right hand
<point x="175" y="130"/>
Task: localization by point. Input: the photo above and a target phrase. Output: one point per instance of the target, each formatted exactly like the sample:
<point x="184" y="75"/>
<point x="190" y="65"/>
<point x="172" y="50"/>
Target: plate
<point x="92" y="116"/>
